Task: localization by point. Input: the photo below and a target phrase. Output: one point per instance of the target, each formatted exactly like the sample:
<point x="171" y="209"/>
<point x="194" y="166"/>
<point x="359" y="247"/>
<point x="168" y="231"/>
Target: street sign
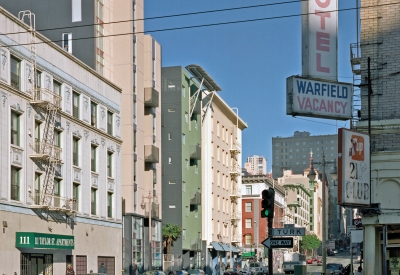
<point x="278" y="242"/>
<point x="301" y="231"/>
<point x="331" y="245"/>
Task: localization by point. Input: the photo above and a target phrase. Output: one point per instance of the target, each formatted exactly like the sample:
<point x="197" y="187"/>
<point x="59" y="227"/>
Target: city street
<point x="343" y="258"/>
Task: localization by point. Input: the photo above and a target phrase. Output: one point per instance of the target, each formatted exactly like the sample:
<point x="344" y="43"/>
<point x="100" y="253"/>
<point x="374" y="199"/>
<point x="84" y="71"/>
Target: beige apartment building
<point x="134" y="63"/>
<point x="221" y="196"/>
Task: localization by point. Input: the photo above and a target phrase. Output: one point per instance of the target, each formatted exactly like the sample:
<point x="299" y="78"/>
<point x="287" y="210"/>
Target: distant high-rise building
<point x="293" y="153"/>
<point x="256" y="165"/>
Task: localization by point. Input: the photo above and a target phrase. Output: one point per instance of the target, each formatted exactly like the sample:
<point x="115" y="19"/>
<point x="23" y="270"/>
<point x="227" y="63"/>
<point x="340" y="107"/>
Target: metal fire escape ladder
<point x="355" y="61"/>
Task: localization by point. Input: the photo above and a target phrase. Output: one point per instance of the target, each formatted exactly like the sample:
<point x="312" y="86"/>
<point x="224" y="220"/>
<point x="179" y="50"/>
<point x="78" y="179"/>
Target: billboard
<point x="318" y="98"/>
<point x="354" y="184"/>
<point x="319" y="39"/>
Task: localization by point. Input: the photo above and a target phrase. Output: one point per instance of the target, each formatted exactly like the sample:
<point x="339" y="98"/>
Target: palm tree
<point x="170" y="233"/>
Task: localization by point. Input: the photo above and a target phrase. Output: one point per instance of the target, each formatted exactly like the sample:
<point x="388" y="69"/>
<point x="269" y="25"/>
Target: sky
<point x="250" y="61"/>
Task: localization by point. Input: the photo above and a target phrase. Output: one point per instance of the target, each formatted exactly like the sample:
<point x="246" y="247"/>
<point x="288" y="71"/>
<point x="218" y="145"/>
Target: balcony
<point x="151" y="154"/>
<point x="44" y="150"/>
<point x="151" y="97"/>
<point x="42" y="96"/>
<point x="235" y="148"/>
<point x="196" y="200"/>
<point x="236" y="215"/>
<point x="235" y="170"/>
<point x="195" y="151"/>
<point x="236" y="192"/>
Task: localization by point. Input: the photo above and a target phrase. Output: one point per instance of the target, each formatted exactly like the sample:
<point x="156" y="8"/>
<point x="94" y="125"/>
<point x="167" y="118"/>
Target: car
<point x="335" y="251"/>
<point x="309" y="261"/>
<point x="341" y="249"/>
<point x="258" y="268"/>
<point x="319" y="262"/>
<point x="330" y="253"/>
<point x="196" y="272"/>
<point x="335" y="268"/>
<point x="314" y="259"/>
<point x="232" y="271"/>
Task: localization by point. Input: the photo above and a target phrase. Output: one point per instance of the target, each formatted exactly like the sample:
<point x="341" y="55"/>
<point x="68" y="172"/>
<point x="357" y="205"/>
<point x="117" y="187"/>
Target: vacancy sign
<point x="319" y="38"/>
<point x="318" y="98"/>
<point x="354" y="168"/>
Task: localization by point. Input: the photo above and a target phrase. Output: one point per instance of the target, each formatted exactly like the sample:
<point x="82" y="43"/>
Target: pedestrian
<point x="102" y="269"/>
<point x="70" y="270"/>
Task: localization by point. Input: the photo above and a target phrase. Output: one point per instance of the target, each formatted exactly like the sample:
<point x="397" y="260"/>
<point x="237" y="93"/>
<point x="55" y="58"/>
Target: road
<point x="341" y="258"/>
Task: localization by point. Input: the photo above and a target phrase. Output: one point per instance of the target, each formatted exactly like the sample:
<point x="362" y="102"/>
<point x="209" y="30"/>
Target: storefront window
<point x="137" y="243"/>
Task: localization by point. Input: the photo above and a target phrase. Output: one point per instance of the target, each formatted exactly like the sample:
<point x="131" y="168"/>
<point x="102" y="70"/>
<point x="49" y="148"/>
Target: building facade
<point x="254" y="228"/>
<point x="378" y="42"/>
<point x="60" y="144"/>
<point x="292" y="153"/>
<point x="256" y="165"/>
<point x="91" y="30"/>
<point x="182" y="165"/>
<point x="221" y="196"/>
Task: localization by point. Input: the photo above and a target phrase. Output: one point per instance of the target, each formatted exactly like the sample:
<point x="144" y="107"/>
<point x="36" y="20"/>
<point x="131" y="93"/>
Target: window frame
<point x="75" y="108"/>
<point x="110" y="123"/>
<point x="109" y="164"/>
<point x="93" y="114"/>
<point x="66" y="37"/>
<point x="75" y="151"/>
<point x="15" y="61"/>
<point x="16" y="131"/>
<point x="93" y="201"/>
<point x="15" y="181"/>
<point x="93" y="158"/>
<point x="109" y="204"/>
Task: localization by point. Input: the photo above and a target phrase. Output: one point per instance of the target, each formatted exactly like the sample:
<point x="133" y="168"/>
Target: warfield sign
<point x="319" y="39"/>
<point x="354" y="185"/>
<point x="318" y="98"/>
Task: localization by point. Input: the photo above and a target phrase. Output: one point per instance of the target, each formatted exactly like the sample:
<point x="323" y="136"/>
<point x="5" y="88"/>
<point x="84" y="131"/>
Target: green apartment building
<point x="181" y="170"/>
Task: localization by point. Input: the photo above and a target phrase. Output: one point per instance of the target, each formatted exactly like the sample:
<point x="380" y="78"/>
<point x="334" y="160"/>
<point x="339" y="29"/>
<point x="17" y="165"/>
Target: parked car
<point x="196" y="272"/>
<point x="258" y="268"/>
<point x="154" y="272"/>
<point x="335" y="251"/>
<point x="178" y="272"/>
<point x="335" y="268"/>
<point x="232" y="271"/>
<point x="309" y="261"/>
<point x="319" y="262"/>
<point x="314" y="258"/>
<point x="330" y="253"/>
<point x="341" y="249"/>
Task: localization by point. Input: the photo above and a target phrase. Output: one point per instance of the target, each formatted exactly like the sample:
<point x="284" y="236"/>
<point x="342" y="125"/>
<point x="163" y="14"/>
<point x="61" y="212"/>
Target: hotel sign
<point x="354" y="184"/>
<point x="318" y="98"/>
<point x="319" y="39"/>
<point x="43" y="241"/>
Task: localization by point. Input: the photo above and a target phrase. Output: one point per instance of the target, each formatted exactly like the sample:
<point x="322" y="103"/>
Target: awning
<point x="217" y="246"/>
<point x="234" y="249"/>
<point x="225" y="246"/>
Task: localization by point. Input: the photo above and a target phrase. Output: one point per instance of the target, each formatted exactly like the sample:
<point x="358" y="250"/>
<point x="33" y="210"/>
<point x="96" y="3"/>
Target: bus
<point x="291" y="259"/>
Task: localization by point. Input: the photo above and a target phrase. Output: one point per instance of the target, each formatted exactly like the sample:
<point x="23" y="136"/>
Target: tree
<point x="310" y="242"/>
<point x="170" y="233"/>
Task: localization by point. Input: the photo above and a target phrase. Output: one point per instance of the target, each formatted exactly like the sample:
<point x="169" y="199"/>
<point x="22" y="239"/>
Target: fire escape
<point x="235" y="195"/>
<point x="45" y="153"/>
<point x="355" y="61"/>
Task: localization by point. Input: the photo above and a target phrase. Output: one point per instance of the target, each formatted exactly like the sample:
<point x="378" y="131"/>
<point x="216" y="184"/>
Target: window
<point x="57" y="138"/>
<point x="183" y="139"/>
<point x="37" y="188"/>
<point x="169" y="136"/>
<point x="93" y="114"/>
<point x="15" y="183"/>
<point x="38" y="77"/>
<point x="15" y="128"/>
<point x="93" y="194"/>
<point x="183" y="91"/>
<point x="186" y="164"/>
<point x="186" y="117"/>
<point x="57" y="192"/>
<point x="109" y="164"/>
<point x="248" y="239"/>
<point x="248" y="190"/>
<point x="75" y="196"/>
<point x="109" y="123"/>
<point x="109" y="204"/>
<point x="183" y="186"/>
<point x="75" y="105"/>
<point x="169" y="160"/>
<point x="75" y="151"/>
<point x="248" y="206"/>
<point x="67" y="42"/>
<point x="171" y="110"/>
<point x="247" y="223"/>
<point x="57" y="88"/>
<point x="93" y="158"/>
<point x="15" y="73"/>
<point x="172" y="182"/>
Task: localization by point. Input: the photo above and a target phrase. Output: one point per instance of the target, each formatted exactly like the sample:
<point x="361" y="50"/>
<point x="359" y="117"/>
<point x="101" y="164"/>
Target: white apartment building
<point x="256" y="165"/>
<point x="60" y="158"/>
<point x="221" y="195"/>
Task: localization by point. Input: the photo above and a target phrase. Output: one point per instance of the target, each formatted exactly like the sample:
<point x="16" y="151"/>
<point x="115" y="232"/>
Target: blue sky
<point x="249" y="61"/>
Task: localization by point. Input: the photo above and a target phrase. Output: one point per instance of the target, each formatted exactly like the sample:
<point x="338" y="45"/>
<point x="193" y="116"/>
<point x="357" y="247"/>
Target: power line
<point x="165" y="16"/>
<point x="200" y="26"/>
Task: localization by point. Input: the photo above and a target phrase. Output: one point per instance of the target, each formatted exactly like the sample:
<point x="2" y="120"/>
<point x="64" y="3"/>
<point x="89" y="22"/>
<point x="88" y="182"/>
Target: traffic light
<point x="268" y="200"/>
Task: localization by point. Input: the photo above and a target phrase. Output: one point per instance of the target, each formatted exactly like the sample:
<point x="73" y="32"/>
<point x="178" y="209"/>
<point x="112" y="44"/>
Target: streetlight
<point x="143" y="205"/>
<point x="311" y="176"/>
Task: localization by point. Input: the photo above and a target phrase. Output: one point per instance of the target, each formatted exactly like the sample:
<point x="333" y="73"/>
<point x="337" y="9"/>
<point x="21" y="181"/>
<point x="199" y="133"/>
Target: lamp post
<point x="143" y="205"/>
<point x="257" y="239"/>
<point x="311" y="176"/>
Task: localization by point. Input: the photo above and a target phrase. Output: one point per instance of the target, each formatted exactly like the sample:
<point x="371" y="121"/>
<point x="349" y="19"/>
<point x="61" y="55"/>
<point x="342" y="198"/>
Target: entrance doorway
<point x="36" y="264"/>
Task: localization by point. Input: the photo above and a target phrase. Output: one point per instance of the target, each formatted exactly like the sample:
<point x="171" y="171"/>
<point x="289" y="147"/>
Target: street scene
<point x="144" y="137"/>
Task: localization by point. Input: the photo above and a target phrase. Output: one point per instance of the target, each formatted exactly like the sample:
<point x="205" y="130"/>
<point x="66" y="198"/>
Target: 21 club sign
<point x="354" y="182"/>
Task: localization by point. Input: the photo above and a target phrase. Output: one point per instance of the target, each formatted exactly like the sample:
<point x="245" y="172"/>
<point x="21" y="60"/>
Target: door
<point x="37" y="264"/>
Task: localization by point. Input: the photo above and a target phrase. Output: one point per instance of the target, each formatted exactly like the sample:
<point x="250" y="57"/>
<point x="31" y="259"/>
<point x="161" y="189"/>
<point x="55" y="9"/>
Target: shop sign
<point x="42" y="241"/>
<point x="318" y="98"/>
<point x="354" y="182"/>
